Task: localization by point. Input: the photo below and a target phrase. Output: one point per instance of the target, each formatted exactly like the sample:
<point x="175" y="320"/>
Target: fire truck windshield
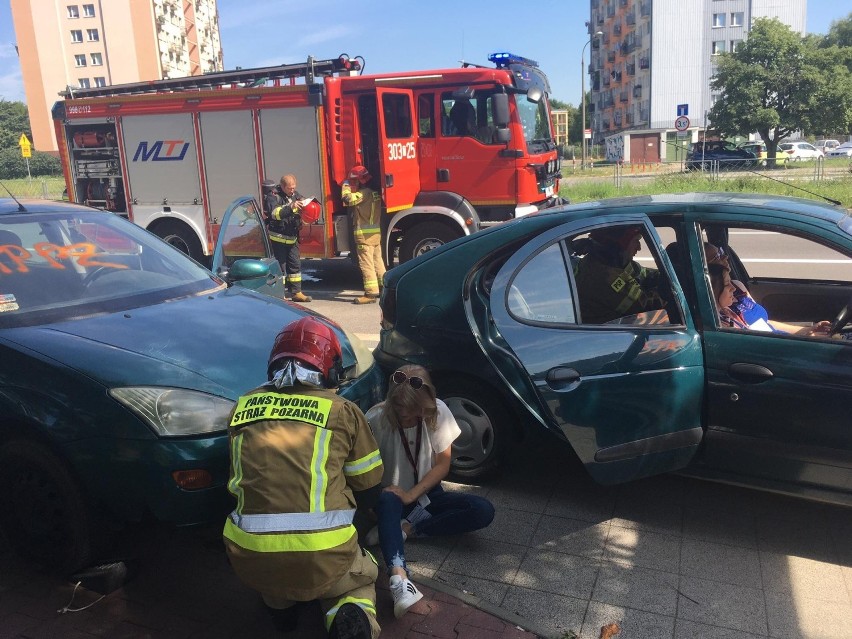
<point x="536" y="124"/>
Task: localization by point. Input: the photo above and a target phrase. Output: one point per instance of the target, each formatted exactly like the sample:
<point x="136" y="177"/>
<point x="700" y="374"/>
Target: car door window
<point x="243" y="235"/>
<point x="794" y="278"/>
<point x="587" y="279"/>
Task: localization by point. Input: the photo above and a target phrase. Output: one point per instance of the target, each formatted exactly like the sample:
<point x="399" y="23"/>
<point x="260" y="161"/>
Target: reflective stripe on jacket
<point x="296" y="457"/>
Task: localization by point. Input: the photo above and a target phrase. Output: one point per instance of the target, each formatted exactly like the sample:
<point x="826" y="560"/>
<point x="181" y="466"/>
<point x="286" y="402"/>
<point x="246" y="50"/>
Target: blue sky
<point x="393" y="35"/>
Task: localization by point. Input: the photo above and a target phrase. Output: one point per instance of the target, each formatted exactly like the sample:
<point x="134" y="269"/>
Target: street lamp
<point x="583" y="97"/>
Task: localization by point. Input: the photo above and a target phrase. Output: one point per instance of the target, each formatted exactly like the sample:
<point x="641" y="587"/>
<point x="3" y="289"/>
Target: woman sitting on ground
<point x="415" y="432"/>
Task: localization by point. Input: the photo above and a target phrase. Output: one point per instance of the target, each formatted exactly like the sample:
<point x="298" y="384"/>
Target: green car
<point x="122" y="358"/>
<point x="498" y="318"/>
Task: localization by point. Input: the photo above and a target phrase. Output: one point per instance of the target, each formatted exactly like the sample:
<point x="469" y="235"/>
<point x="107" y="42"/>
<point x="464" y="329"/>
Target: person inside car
<point x="610" y="283"/>
<point x="744" y="306"/>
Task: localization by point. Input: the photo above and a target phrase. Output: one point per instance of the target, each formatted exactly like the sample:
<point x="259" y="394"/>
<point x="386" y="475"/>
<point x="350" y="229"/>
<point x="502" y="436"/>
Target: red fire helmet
<point x="309" y="341"/>
<point x="311" y="212"/>
<point x="359" y="173"/>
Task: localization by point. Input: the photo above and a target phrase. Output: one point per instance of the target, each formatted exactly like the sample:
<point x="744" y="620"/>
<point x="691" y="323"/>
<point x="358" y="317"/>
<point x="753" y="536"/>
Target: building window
<point x="735" y="45"/>
<point x="84" y="83"/>
<point x="97" y="59"/>
<point x="100" y="82"/>
<point x="714" y="98"/>
<point x="737" y="19"/>
<point x="73" y="11"/>
<point x="718" y="19"/>
<point x="80" y="60"/>
<point x="76" y="35"/>
<point x="718" y="47"/>
<point x="89" y="10"/>
<point x="92" y="35"/>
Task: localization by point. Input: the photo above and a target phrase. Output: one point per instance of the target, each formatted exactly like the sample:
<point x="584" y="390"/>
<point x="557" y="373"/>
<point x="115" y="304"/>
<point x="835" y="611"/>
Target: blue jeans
<point x="452" y="514"/>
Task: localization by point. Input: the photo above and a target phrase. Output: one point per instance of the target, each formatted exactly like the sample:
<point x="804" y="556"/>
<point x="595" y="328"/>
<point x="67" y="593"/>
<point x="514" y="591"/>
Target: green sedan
<point x="515" y="326"/>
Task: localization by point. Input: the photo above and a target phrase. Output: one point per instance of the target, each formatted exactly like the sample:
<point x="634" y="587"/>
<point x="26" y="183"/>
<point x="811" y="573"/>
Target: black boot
<point x="286" y="619"/>
<point x="350" y="622"/>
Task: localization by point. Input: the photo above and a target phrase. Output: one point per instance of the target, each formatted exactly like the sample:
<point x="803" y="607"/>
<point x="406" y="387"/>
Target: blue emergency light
<point x="504" y="59"/>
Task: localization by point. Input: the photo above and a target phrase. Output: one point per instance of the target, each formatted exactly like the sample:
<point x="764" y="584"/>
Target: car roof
<point x="9" y="205"/>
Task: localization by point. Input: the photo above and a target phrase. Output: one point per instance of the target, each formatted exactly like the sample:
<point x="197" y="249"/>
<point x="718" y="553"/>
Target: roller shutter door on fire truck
<point x="162" y="161"/>
<point x="291" y="145"/>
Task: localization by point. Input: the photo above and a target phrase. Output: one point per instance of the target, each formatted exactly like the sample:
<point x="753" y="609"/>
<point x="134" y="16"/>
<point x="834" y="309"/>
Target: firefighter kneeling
<point x="301" y="458"/>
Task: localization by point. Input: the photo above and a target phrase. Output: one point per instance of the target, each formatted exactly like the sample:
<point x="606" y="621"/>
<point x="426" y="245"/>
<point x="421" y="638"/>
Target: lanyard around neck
<point x="412" y="459"/>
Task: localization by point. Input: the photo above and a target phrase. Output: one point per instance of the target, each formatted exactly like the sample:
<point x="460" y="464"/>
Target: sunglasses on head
<point x="399" y="378"/>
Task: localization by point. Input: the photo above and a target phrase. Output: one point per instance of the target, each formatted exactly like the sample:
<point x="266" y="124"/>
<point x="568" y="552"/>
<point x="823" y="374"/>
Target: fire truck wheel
<point x="181" y="237"/>
<point x="42" y="511"/>
<point x="424" y="237"/>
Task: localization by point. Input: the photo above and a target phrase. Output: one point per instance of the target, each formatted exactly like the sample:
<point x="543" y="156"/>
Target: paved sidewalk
<point x="665" y="558"/>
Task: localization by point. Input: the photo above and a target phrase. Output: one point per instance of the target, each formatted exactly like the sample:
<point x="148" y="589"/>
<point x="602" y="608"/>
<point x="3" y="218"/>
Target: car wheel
<point x="478" y="450"/>
<point x="181" y="237"/>
<point x="42" y="511"/>
<point x="424" y="237"/>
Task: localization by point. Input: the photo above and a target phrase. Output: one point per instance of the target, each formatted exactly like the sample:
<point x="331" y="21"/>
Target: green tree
<point x="575" y="132"/>
<point x="558" y="104"/>
<point x="840" y="32"/>
<point x="14" y="120"/>
<point x="776" y="83"/>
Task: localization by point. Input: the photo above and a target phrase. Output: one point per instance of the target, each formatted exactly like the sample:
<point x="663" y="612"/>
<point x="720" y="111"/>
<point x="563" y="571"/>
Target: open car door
<point x="243" y="253"/>
<point x="626" y="394"/>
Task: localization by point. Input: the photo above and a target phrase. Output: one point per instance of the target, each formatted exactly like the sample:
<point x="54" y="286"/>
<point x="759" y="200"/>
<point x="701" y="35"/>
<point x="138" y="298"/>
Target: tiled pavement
<point x="667" y="557"/>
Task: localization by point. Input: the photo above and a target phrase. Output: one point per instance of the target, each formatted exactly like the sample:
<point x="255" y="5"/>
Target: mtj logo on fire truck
<point x="157" y="153"/>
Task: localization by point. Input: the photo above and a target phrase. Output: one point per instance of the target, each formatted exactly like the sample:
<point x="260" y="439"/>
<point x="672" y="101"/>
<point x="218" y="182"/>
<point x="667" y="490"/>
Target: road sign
<point x="683" y="109"/>
<point x="682" y="123"/>
<point x="26" y="146"/>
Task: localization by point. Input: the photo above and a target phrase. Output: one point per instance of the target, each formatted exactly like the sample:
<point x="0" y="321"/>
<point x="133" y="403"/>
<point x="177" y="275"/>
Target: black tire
<point x="478" y="452"/>
<point x="422" y="238"/>
<point x="181" y="237"/>
<point x="42" y="510"/>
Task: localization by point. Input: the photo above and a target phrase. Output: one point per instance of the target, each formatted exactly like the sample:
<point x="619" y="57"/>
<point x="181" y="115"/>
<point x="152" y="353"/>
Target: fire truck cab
<point x="451" y="151"/>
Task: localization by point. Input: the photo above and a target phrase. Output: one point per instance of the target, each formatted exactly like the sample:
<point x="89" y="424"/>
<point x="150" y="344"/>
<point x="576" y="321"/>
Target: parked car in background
<point x="797" y="151"/>
<point x="759" y="149"/>
<point x="122" y="358"/>
<point x="827" y="145"/>
<point x="842" y="151"/>
<point x="507" y="344"/>
<point x="703" y="155"/>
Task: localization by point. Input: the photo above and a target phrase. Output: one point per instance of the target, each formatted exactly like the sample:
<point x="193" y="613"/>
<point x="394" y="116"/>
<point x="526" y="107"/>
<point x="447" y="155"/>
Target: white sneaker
<point x="372" y="536"/>
<point x="404" y="593"/>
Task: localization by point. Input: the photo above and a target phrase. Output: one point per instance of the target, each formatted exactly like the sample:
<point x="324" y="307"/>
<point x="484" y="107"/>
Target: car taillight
<point x="388" y="307"/>
<point x="196" y="479"/>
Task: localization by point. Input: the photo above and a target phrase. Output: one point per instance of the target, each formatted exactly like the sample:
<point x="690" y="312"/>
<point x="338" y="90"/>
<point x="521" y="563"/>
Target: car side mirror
<point x="500" y="109"/>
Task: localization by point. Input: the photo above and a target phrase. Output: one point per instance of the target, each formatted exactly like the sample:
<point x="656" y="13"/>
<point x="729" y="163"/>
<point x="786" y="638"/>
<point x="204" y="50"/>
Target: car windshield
<point x="536" y="124"/>
<point x="64" y="265"/>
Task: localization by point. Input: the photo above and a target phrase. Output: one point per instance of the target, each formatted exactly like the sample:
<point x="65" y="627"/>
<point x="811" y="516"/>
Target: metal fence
<point x="47" y="188"/>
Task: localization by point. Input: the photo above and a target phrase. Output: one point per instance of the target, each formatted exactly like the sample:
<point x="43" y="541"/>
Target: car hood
<point x="217" y="343"/>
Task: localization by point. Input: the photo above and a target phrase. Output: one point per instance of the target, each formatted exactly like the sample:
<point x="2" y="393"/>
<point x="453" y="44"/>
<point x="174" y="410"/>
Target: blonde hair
<point x="405" y="396"/>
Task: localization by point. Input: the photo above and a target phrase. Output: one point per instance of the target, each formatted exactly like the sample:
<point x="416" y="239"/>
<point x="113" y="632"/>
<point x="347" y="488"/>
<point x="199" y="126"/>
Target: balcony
<point x="616" y="119"/>
<point x="606" y="80"/>
<point x="622" y="96"/>
<point x="610" y="55"/>
<point x="645" y="8"/>
<point x="631" y="68"/>
<point x="629" y="117"/>
<point x="644" y="63"/>
<point x="608" y="101"/>
<point x="630" y="18"/>
<point x="616" y="28"/>
<point x="637" y="91"/>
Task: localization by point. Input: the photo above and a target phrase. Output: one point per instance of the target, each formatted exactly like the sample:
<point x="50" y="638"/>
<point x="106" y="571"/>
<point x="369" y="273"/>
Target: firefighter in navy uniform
<point x="284" y="222"/>
<point x="365" y="206"/>
<point x="610" y="284"/>
<point x="302" y="457"/>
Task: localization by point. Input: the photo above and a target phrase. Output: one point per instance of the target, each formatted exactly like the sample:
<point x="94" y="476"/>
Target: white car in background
<point x="842" y="151"/>
<point x="800" y="150"/>
<point x="827" y="145"/>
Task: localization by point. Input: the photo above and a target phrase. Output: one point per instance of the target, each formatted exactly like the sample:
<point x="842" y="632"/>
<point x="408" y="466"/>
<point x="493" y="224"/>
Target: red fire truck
<point x="452" y="150"/>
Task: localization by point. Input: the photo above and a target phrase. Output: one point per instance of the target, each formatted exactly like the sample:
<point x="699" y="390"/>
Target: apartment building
<point x="65" y="44"/>
<point x="654" y="61"/>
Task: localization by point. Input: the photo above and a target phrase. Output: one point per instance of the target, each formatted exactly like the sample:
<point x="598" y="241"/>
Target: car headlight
<point x="176" y="412"/>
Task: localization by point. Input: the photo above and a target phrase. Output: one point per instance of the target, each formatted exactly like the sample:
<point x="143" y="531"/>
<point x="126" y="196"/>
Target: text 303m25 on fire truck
<point x="451" y="151"/>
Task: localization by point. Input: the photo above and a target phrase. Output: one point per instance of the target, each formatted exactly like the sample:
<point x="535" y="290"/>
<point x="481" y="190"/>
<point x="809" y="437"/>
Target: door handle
<point x="750" y="373"/>
<point x="562" y="377"/>
<point x="271" y="278"/>
<point x="388" y="180"/>
<point x="443" y="175"/>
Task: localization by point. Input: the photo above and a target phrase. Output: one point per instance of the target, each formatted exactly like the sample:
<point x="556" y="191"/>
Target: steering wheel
<point x="91" y="276"/>
<point x="842" y="318"/>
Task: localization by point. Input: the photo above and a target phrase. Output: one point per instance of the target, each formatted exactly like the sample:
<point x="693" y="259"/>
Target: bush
<point x="13" y="166"/>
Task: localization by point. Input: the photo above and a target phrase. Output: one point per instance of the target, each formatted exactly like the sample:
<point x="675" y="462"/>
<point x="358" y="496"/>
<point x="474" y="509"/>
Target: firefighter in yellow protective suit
<point x="365" y="206"/>
<point x="302" y="457"/>
<point x="610" y="284"/>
